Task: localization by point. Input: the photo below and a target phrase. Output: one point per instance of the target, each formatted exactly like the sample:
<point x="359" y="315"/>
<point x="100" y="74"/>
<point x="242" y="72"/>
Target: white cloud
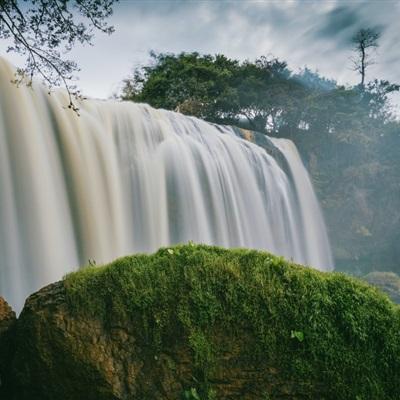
<point x="312" y="33"/>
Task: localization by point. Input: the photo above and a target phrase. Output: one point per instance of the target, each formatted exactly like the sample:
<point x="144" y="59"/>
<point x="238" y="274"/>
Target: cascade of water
<point x="124" y="177"/>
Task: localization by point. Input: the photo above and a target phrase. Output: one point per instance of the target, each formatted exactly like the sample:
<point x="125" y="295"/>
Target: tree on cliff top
<point x="44" y="30"/>
<point x="215" y="88"/>
<point x="194" y="84"/>
<point x="365" y="41"/>
<point x="263" y="95"/>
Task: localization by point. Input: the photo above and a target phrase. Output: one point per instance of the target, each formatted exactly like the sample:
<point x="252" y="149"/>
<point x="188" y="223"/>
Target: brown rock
<point x="64" y="357"/>
<point x="7" y="316"/>
<point x="7" y="324"/>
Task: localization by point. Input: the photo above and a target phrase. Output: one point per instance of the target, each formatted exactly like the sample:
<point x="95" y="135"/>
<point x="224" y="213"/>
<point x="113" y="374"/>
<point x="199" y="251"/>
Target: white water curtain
<point x="124" y="178"/>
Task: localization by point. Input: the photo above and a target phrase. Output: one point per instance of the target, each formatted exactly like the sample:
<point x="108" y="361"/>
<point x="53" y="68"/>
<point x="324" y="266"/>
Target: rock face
<point x="64" y="357"/>
<point x="7" y="316"/>
<point x="197" y="322"/>
<point x="7" y="324"/>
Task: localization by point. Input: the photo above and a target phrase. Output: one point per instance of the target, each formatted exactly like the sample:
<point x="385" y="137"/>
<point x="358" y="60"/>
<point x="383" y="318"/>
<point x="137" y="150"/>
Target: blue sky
<point x="312" y="33"/>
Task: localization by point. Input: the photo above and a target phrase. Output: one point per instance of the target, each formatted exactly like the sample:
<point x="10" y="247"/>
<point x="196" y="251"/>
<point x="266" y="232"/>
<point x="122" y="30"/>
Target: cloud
<point x="312" y="33"/>
<point x="341" y="22"/>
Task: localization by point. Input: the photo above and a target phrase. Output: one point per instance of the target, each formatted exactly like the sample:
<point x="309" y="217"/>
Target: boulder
<point x="197" y="322"/>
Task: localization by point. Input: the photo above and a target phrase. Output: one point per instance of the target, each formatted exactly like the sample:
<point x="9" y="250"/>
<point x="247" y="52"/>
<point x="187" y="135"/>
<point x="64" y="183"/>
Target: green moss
<point x="320" y="330"/>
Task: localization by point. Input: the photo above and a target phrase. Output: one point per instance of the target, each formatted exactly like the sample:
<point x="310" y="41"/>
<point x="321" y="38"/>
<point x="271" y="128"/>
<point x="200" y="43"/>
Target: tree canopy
<point x="264" y="95"/>
<point x="191" y="83"/>
<point x="214" y="88"/>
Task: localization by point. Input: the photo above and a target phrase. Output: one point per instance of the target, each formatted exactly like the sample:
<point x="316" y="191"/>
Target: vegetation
<point x="347" y="135"/>
<point x="388" y="282"/>
<point x="324" y="332"/>
<point x="364" y="41"/>
<point x="215" y="88"/>
<point x="193" y="84"/>
<point x="264" y="95"/>
<point x="44" y="30"/>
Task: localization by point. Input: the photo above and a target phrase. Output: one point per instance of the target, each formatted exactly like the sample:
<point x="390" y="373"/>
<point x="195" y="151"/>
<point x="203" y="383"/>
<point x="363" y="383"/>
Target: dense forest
<point x="347" y="135"/>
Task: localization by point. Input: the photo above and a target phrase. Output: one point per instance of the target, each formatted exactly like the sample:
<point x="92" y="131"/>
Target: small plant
<point x="92" y="262"/>
<point x="191" y="394"/>
<point x="299" y="335"/>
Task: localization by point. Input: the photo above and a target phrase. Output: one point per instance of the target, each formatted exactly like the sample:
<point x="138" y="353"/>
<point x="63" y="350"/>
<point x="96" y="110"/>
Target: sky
<point x="316" y="34"/>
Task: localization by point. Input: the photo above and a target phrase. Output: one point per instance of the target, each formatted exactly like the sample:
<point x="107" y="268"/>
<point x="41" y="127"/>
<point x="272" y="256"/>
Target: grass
<point x="320" y="330"/>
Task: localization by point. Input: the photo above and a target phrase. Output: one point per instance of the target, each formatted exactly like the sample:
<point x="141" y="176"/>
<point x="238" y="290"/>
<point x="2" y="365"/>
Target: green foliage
<point x="349" y="150"/>
<point x="191" y="394"/>
<point x="320" y="330"/>
<point x="263" y="95"/>
<point x="188" y="82"/>
<point x="388" y="282"/>
<point x="44" y="31"/>
<point x="217" y="88"/>
<point x="297" y="335"/>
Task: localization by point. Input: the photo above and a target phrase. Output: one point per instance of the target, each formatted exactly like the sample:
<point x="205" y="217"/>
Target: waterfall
<point x="123" y="178"/>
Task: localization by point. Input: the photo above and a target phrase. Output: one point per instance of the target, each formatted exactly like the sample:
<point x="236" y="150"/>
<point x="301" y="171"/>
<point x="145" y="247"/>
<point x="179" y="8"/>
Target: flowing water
<point x="124" y="178"/>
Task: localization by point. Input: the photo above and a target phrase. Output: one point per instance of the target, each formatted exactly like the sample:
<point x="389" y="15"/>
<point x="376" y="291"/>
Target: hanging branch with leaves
<point x="45" y="30"/>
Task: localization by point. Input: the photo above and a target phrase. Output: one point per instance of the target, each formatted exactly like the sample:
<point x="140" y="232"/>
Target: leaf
<point x="299" y="335"/>
<point x="192" y="394"/>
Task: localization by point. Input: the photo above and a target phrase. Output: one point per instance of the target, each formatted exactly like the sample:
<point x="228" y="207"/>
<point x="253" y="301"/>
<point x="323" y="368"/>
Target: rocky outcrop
<point x="62" y="356"/>
<point x="197" y="322"/>
<point x="7" y="324"/>
<point x="7" y="317"/>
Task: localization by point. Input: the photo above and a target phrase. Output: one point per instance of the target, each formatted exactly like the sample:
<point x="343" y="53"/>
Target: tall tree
<point x="217" y="88"/>
<point x="194" y="84"/>
<point x="365" y="41"/>
<point x="44" y="30"/>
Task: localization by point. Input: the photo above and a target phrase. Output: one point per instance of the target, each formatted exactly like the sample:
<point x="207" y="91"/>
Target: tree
<point x="263" y="87"/>
<point x="216" y="88"/>
<point x="44" y="30"/>
<point x="365" y="40"/>
<point x="199" y="85"/>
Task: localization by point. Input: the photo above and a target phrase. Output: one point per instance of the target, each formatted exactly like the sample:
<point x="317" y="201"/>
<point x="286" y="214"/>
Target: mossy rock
<point x="200" y="322"/>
